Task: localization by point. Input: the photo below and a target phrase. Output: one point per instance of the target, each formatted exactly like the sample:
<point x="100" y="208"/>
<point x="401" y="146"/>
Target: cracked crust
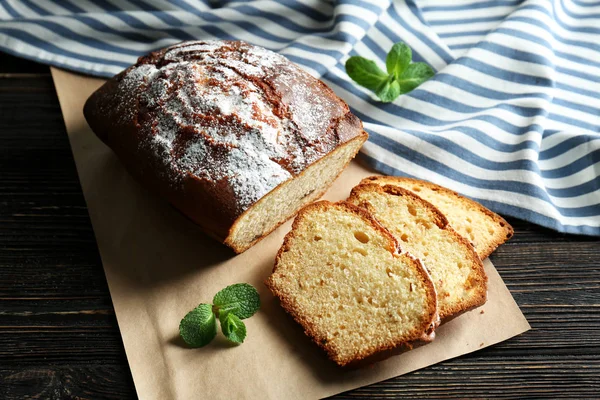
<point x="214" y="126"/>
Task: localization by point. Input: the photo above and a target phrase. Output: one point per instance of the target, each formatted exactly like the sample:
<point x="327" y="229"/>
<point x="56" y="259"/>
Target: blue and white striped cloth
<point x="512" y="117"/>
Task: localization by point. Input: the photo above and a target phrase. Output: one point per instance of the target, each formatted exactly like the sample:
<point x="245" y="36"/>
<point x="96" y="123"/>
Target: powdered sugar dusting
<point x="230" y="113"/>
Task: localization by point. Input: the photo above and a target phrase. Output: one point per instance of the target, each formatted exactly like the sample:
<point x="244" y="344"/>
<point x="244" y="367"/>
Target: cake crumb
<point x="482" y="312"/>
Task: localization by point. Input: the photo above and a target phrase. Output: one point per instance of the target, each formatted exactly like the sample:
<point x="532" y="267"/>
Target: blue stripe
<point x="451" y="173"/>
<point x="584" y="4"/>
<point x="485" y="92"/>
<point x="380" y="52"/>
<point x="443" y="54"/>
<point x="457" y="106"/>
<point x="306" y="10"/>
<point x="34" y="41"/>
<point x="72" y="35"/>
<point x="53" y="62"/>
<point x="464" y="34"/>
<point x="575" y="166"/>
<point x="578" y="16"/>
<point x="35" y="8"/>
<point x="586" y="188"/>
<point x="442" y="118"/>
<point x="565" y="146"/>
<point x="506" y="75"/>
<point x="10" y="10"/>
<point x="464" y="21"/>
<point x="533" y="58"/>
<point x="434" y="165"/>
<point x="502" y="208"/>
<point x="428" y="120"/>
<point x="574" y="122"/>
<point x="473" y="6"/>
<point x="461" y="46"/>
<point x="575" y="89"/>
<point x="570" y="42"/>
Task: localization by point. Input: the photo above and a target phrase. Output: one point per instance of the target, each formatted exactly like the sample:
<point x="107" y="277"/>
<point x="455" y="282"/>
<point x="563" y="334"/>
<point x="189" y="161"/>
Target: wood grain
<point x="59" y="337"/>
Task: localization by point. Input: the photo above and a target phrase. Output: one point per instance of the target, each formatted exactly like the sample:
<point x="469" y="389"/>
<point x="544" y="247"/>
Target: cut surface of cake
<point x="485" y="229"/>
<point x="339" y="275"/>
<point x="423" y="231"/>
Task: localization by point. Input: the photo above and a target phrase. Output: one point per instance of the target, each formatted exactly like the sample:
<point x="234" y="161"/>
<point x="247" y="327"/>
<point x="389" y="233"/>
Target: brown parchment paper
<point x="159" y="266"/>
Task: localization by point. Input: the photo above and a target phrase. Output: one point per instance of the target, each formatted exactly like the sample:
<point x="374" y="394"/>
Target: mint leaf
<point x="233" y="328"/>
<point x="240" y="299"/>
<point x="199" y="326"/>
<point x="389" y="91"/>
<point x="401" y="77"/>
<point x="414" y="75"/>
<point x="398" y="59"/>
<point x="365" y="72"/>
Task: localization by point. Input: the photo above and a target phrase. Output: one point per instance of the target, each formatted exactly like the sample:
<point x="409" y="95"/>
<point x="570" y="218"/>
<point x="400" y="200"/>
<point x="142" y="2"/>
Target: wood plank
<point x="58" y="333"/>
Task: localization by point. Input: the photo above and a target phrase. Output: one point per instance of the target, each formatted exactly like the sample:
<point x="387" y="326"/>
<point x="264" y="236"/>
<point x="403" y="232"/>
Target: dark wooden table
<point x="59" y="338"/>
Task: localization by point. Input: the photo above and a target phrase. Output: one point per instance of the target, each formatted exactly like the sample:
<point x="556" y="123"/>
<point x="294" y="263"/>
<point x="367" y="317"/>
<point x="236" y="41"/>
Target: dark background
<point x="59" y="337"/>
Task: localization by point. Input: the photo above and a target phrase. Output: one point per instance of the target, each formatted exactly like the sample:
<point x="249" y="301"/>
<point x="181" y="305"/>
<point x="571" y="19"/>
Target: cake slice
<point x="423" y="231"/>
<point x="485" y="229"/>
<point x="339" y="275"/>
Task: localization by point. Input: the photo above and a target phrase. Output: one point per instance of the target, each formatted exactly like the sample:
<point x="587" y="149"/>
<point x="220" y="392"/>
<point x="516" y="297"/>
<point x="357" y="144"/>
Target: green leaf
<point x="398" y="59"/>
<point x="365" y="72"/>
<point x="414" y="75"/>
<point x="389" y="91"/>
<point x="199" y="326"/>
<point x="240" y="299"/>
<point x="233" y="328"/>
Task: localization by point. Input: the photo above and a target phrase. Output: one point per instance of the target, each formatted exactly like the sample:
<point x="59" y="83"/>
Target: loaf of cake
<point x="485" y="229"/>
<point x="236" y="137"/>
<point x="422" y="230"/>
<point x="340" y="276"/>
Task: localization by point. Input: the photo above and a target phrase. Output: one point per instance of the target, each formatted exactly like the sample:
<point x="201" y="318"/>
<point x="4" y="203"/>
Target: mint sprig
<point x="233" y="328"/>
<point x="230" y="305"/>
<point x="402" y="76"/>
<point x="199" y="327"/>
<point x="240" y="299"/>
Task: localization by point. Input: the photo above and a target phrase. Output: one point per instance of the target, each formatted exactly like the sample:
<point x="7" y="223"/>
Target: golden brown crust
<point x="288" y="303"/>
<point x="505" y="230"/>
<point x="477" y="278"/>
<point x="139" y="115"/>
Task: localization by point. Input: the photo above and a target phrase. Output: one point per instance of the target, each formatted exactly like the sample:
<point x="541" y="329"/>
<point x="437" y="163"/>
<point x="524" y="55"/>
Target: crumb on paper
<point x="482" y="312"/>
<point x="481" y="344"/>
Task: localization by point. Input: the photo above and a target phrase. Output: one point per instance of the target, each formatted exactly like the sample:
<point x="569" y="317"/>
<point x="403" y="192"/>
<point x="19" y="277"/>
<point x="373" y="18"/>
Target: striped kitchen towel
<point x="512" y="117"/>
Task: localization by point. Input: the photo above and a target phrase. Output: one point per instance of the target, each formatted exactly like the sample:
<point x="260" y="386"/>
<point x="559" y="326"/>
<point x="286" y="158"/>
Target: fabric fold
<point x="511" y="119"/>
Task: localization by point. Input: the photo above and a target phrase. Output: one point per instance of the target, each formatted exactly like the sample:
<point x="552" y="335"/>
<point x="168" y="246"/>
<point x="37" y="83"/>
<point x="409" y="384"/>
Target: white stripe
<point x="291" y="14"/>
<point x="32" y="51"/>
<point x="473" y="13"/>
<point x="51" y="7"/>
<point x="22" y="10"/>
<point x="318" y="5"/>
<point x="592" y="119"/>
<point x="464" y="40"/>
<point x="570" y="21"/>
<point x="66" y="44"/>
<point x="510" y="198"/>
<point x="3" y="13"/>
<point x="410" y="19"/>
<point x="87" y="5"/>
<point x="566" y="158"/>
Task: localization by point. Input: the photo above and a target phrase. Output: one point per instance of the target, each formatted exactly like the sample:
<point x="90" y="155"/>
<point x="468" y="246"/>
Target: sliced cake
<point x="339" y="275"/>
<point x="483" y="228"/>
<point x="423" y="231"/>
